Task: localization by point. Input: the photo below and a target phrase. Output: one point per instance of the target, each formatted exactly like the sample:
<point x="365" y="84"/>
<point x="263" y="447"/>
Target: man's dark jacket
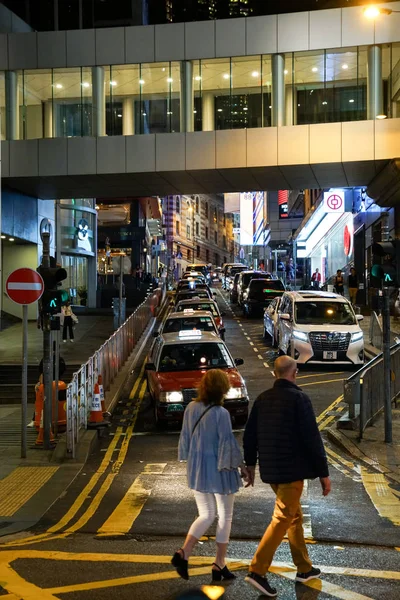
<point x="283" y="434"/>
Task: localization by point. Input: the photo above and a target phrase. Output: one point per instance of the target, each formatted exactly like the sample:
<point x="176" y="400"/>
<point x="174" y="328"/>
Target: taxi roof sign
<point x="190" y="333"/>
<point x="188" y="311"/>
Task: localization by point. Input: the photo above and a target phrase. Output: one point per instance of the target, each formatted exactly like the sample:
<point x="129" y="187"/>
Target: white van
<point x="322" y="327"/>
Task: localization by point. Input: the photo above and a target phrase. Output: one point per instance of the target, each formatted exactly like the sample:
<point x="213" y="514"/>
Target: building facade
<point x="197" y="230"/>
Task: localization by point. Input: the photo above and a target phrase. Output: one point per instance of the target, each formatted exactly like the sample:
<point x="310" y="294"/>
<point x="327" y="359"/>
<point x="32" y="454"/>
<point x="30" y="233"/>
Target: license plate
<point x="175" y="408"/>
<point x="329" y="355"/>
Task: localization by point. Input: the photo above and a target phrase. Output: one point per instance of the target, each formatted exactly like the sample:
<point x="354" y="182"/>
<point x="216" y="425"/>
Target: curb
<point x="339" y="439"/>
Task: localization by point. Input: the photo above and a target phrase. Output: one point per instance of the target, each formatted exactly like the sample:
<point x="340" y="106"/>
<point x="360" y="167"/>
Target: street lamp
<point x="372" y="12"/>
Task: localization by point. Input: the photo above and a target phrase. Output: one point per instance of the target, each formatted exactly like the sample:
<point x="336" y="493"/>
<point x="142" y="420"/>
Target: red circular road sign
<point x="24" y="286"/>
<point x="334" y="202"/>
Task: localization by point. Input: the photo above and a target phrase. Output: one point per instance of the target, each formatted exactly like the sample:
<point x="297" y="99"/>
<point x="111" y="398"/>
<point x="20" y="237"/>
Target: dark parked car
<point x="244" y="280"/>
<point x="233" y="294"/>
<point x="259" y="294"/>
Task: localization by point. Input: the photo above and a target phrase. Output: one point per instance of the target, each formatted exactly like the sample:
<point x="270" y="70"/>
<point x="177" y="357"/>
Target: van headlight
<point x="171" y="397"/>
<point x="236" y="392"/>
<point x="358" y="335"/>
<point x="300" y="335"/>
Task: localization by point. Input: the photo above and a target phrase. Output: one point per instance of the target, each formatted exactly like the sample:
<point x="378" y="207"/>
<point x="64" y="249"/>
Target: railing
<point x="107" y="362"/>
<point x="375" y="331"/>
<point x="363" y="391"/>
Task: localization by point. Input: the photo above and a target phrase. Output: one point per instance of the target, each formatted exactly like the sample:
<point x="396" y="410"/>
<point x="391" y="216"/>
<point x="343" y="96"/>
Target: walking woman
<point x="213" y="458"/>
<point x="68" y="318"/>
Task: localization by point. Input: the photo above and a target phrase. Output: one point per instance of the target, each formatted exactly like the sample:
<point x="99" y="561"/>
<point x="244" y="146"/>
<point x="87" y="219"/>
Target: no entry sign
<point x="24" y="286"/>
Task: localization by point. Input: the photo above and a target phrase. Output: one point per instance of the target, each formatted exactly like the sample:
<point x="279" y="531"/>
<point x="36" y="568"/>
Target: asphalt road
<point x="115" y="528"/>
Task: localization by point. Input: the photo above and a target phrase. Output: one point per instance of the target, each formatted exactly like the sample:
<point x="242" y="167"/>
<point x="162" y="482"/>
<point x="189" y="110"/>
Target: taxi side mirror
<point x="150" y="367"/>
<point x="359" y="317"/>
<point x="156" y="333"/>
<point x="239" y="361"/>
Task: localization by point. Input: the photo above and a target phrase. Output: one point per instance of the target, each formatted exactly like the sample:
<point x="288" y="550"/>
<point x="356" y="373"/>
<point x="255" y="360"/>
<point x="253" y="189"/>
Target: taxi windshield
<point x="208" y="306"/>
<point x="186" y="324"/>
<point x="324" y="313"/>
<point x="192" y="356"/>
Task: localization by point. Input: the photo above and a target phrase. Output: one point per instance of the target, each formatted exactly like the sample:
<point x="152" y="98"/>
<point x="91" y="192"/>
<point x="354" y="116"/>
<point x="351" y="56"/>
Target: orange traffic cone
<point x="96" y="414"/>
<point x="40" y="437"/>
<point x="101" y="390"/>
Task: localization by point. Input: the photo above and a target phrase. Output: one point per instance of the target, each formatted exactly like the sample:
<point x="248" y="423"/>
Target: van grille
<point x="189" y="394"/>
<point x="333" y="341"/>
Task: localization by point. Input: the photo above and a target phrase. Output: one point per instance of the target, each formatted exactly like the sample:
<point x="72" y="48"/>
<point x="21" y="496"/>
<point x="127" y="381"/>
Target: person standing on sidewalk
<point x="339" y="282"/>
<point x="283" y="433"/>
<point x="68" y="318"/>
<point x="353" y="286"/>
<point x="213" y="458"/>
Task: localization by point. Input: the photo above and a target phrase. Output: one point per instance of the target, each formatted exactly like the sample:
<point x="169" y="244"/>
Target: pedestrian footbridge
<point x="290" y="157"/>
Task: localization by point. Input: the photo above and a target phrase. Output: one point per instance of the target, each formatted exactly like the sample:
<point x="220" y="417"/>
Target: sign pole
<point x="121" y="280"/>
<point x="47" y="363"/>
<point x="24" y="406"/>
<point x="386" y="343"/>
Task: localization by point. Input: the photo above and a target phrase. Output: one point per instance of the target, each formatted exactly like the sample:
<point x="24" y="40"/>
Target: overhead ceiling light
<point x="3" y="237"/>
<point x="170" y="80"/>
<point x="255" y="74"/>
<point x="141" y="81"/>
<point x="226" y="76"/>
<point x="163" y="69"/>
<point x="380" y="117"/>
<point x="169" y="112"/>
<point x="86" y="84"/>
<point x="269" y="106"/>
<point x="351" y="100"/>
<point x="245" y="108"/>
<point x="324" y="102"/>
<point x="144" y="114"/>
<point x="195" y="111"/>
<point x="120" y="116"/>
<point x="59" y="86"/>
<point x="198" y="78"/>
<point x="286" y="71"/>
<point x="10" y="239"/>
<point x="298" y="105"/>
<point x="219" y="110"/>
<point x="314" y="69"/>
<point x="113" y="83"/>
<point x="345" y="66"/>
<point x="371" y="12"/>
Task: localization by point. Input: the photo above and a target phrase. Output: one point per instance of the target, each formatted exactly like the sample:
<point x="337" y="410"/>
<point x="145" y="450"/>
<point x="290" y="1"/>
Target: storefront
<point x="76" y="221"/>
<point x="326" y="238"/>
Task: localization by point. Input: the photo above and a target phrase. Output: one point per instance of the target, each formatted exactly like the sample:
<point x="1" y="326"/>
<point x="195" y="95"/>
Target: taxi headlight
<point x="171" y="397"/>
<point x="236" y="392"/>
<point x="358" y="335"/>
<point x="300" y="335"/>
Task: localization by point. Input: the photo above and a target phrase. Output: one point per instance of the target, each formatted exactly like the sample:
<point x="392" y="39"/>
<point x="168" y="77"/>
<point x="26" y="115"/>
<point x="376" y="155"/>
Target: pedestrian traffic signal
<point x="387" y="270"/>
<point x="53" y="298"/>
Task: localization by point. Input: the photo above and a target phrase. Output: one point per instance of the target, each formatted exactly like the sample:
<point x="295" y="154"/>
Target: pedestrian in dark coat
<point x="282" y="434"/>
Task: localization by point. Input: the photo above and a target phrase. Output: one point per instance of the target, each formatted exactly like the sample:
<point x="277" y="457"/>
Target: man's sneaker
<point x="313" y="574"/>
<point x="261" y="584"/>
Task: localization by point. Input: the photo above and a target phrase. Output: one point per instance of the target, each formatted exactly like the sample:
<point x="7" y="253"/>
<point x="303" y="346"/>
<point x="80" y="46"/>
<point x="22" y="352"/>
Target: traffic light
<point x="388" y="270"/>
<point x="53" y="298"/>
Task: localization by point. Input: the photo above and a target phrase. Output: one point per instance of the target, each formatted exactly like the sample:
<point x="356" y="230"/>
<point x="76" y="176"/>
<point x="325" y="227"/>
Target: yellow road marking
<point x="320" y="382"/>
<point x="95" y="503"/>
<point x="137" y="382"/>
<point x="347" y="463"/>
<point x="319" y="375"/>
<point x="382" y="497"/>
<point x="260" y="357"/>
<point x="330" y="407"/>
<point x="266" y="365"/>
<point x="251" y="343"/>
<point x="131" y="505"/>
<point x="15" y="584"/>
<point x="20" y="486"/>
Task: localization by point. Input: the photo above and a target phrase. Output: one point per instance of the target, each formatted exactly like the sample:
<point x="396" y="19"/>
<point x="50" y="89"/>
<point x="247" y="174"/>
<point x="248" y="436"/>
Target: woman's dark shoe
<point x="219" y="574"/>
<point x="180" y="564"/>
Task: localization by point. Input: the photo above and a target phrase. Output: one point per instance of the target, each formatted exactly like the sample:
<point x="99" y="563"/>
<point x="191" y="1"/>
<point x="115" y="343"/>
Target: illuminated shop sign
<point x="334" y="201"/>
<point x="283" y="204"/>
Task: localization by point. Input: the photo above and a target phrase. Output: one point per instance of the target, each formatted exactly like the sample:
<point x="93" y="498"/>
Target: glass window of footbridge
<point x="228" y="93"/>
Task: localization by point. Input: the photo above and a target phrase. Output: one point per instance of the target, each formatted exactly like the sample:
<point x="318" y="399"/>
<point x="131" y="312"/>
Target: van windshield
<point x="324" y="313"/>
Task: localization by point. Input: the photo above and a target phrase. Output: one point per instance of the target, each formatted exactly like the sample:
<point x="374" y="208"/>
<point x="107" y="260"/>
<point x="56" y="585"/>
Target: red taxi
<point x="204" y="304"/>
<point x="189" y="320"/>
<point x="177" y="363"/>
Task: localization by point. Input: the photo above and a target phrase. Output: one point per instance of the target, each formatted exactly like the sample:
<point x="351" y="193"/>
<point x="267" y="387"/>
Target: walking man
<point x="282" y="432"/>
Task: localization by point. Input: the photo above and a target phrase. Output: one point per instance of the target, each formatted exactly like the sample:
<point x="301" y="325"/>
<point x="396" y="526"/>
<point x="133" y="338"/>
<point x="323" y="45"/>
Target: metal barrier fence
<point x="363" y="391"/>
<point x="375" y="331"/>
<point x="107" y="362"/>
